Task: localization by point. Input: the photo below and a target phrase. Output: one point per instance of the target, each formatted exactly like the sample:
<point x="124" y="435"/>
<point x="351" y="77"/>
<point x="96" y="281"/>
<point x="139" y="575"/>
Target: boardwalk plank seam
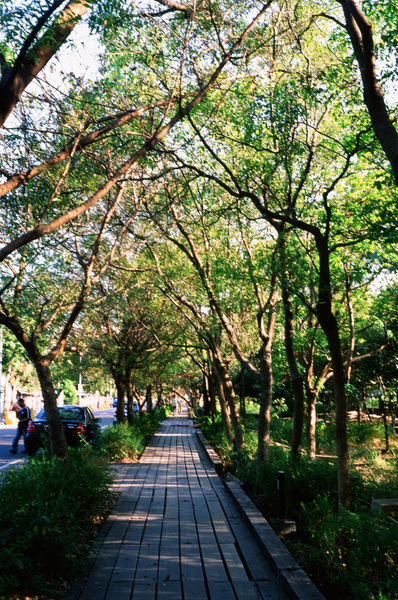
<point x="176" y="533"/>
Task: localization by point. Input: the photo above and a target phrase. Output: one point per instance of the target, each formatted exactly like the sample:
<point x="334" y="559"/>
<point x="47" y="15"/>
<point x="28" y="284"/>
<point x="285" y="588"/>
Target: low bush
<point x="45" y="509"/>
<point x="355" y="549"/>
<point x="48" y="510"/>
<point x="123" y="442"/>
<point x="354" y="555"/>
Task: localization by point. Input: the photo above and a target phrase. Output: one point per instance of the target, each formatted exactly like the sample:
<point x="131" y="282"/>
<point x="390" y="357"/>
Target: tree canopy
<point x="218" y="198"/>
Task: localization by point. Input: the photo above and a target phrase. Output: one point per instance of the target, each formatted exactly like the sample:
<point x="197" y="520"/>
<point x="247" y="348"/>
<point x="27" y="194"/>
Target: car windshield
<point x="72" y="413"/>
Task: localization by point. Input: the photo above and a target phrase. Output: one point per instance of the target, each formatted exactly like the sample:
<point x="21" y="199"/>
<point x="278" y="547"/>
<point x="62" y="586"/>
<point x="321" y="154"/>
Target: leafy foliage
<point x="355" y="552"/>
<point x="45" y="507"/>
<point x="123" y="442"/>
<point x="69" y="391"/>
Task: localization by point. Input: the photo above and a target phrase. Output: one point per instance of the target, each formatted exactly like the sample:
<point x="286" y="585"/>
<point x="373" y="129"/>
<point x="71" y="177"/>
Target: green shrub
<point x="122" y="441"/>
<point x="70" y="393"/>
<point x="364" y="432"/>
<point x="213" y="430"/>
<point x="281" y="430"/>
<point x="45" y="507"/>
<point x="357" y="553"/>
<point x="355" y="548"/>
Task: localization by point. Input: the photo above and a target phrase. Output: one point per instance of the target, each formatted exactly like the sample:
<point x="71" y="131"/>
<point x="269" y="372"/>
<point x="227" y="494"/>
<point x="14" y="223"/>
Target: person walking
<point x="23" y="416"/>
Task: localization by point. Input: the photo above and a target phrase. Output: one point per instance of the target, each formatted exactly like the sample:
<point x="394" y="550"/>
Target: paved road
<point x="7" y="434"/>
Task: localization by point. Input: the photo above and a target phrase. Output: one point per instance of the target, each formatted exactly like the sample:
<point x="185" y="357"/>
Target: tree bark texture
<point x="230" y="398"/>
<point x="33" y="58"/>
<point x="148" y="399"/>
<point x="55" y="426"/>
<point x="130" y="392"/>
<point x="311" y="420"/>
<point x="121" y="391"/>
<point x="329" y="325"/>
<point x="295" y="376"/>
<point x="361" y="35"/>
<point x="264" y="420"/>
<point x="226" y="420"/>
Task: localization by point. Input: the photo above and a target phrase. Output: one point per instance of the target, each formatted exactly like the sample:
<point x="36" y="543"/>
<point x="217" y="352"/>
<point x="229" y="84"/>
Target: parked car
<point x="136" y="409"/>
<point x="78" y="421"/>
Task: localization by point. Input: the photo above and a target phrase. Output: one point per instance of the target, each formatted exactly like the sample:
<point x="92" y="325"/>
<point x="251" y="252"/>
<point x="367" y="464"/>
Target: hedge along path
<point x="175" y="532"/>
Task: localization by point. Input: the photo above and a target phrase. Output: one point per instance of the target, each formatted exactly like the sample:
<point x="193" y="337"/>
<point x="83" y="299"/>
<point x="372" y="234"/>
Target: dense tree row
<point x="219" y="201"/>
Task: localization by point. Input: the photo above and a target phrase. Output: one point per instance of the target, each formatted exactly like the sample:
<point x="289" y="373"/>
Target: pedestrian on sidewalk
<point x="23" y="416"/>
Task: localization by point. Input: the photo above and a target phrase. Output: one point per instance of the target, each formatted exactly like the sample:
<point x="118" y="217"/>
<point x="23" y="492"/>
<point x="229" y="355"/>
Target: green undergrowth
<point x="46" y="509"/>
<point x="50" y="512"/>
<point x="353" y="555"/>
<point x="122" y="442"/>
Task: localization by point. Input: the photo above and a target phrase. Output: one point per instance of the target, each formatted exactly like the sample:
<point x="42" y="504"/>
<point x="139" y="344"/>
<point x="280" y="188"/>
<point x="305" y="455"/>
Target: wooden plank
<point x="194" y="590"/>
<point x="97" y="582"/>
<point x="126" y="563"/>
<point x="169" y="556"/>
<point x="221" y="590"/>
<point x="147" y="565"/>
<point x="246" y="590"/>
<point x="135" y="531"/>
<point x="168" y="590"/>
<point x="270" y="590"/>
<point x="298" y="586"/>
<point x="143" y="591"/>
<point x="119" y="590"/>
<point x="191" y="563"/>
<point x="213" y="563"/>
<point x="233" y="563"/>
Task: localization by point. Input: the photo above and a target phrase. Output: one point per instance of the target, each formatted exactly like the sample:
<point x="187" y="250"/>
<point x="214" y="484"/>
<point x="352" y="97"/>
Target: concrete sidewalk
<point x="178" y="533"/>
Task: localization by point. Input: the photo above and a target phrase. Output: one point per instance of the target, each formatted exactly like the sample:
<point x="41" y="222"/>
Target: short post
<point x="281" y="525"/>
<point x="280" y="482"/>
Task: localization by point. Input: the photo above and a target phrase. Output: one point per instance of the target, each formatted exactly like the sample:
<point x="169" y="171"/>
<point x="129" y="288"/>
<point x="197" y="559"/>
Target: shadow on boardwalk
<point x="176" y="533"/>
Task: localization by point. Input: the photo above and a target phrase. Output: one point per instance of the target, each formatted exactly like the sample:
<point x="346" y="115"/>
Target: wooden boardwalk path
<point x="176" y="533"/>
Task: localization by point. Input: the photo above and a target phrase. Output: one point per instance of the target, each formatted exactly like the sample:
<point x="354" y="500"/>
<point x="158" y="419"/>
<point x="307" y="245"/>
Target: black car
<point x="78" y="421"/>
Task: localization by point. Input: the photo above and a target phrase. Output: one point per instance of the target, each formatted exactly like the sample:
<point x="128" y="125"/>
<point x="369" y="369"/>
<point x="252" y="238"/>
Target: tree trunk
<point x="360" y="31"/>
<point x="120" y="390"/>
<point x="212" y="394"/>
<point x="264" y="421"/>
<point x="329" y="325"/>
<point x="158" y="394"/>
<point x="206" y="395"/>
<point x="226" y="421"/>
<point x="295" y="376"/>
<point x="266" y="375"/>
<point x="311" y="420"/>
<point x="55" y="426"/>
<point x="14" y="81"/>
<point x="130" y="392"/>
<point x="230" y="398"/>
<point x="148" y="399"/>
<point x="243" y="397"/>
<point x="350" y="309"/>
